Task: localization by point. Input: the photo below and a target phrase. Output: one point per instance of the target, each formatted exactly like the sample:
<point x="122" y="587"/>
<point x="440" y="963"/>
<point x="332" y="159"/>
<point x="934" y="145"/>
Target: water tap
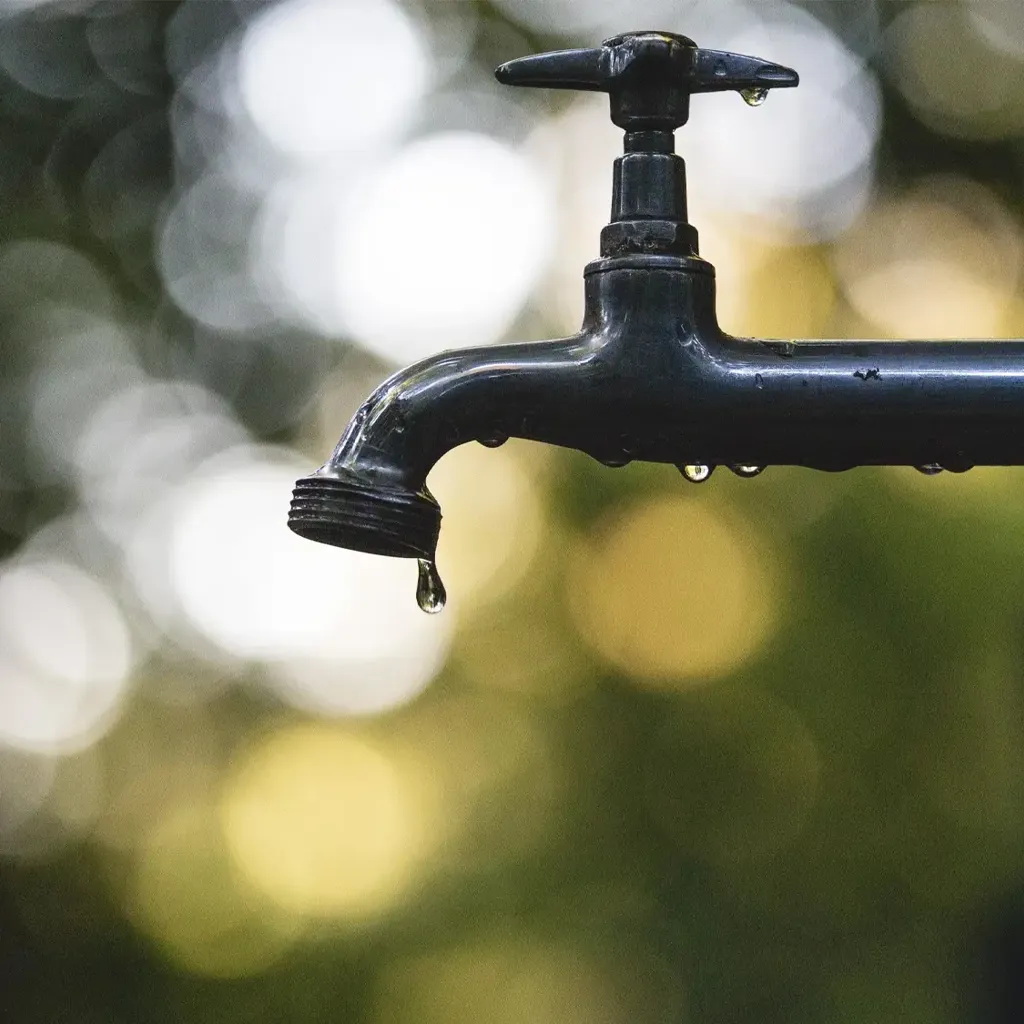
<point x="651" y="376"/>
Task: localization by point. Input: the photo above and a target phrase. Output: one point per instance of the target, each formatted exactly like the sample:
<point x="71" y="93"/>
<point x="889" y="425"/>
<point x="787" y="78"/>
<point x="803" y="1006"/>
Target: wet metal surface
<point x="651" y="376"/>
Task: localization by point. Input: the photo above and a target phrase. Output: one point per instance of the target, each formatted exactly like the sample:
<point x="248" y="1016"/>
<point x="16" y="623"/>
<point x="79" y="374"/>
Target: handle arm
<point x="720" y="71"/>
<point x="650" y="76"/>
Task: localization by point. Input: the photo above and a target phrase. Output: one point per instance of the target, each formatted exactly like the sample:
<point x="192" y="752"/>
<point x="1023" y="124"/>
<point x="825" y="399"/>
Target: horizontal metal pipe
<point x="652" y="377"/>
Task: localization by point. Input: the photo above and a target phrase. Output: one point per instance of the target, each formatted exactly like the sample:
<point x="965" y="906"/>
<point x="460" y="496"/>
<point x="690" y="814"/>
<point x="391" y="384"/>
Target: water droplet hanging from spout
<point x="430" y="593"/>
<point x="754" y="97"/>
<point x="929" y="469"/>
<point x="747" y="472"/>
<point x="697" y="473"/>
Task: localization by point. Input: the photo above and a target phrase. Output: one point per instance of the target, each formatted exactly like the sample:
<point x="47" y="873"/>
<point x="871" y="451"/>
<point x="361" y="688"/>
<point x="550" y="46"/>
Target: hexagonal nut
<point x="649" y="237"/>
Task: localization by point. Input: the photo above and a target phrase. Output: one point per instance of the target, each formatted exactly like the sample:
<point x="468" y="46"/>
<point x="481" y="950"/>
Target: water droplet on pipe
<point x="697" y="473"/>
<point x="493" y="440"/>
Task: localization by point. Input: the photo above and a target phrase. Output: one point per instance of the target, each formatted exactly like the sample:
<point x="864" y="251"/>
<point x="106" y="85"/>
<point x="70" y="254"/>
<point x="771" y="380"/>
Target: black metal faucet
<point x="651" y="376"/>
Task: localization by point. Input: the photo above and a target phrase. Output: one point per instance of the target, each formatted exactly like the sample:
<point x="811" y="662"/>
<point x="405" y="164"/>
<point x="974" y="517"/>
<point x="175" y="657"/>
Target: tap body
<point x="652" y="377"/>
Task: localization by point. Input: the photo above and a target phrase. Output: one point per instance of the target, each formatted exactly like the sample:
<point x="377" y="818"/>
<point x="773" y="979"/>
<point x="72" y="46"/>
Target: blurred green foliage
<point x="883" y="880"/>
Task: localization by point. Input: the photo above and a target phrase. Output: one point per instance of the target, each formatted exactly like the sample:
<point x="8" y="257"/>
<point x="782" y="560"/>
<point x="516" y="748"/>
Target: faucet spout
<point x="372" y="494"/>
<point x="602" y="391"/>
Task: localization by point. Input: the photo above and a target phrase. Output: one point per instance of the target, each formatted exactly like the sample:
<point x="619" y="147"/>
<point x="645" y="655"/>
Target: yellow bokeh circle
<point x="186" y="896"/>
<point x="520" y="976"/>
<point x="323" y="822"/>
<point x="942" y="260"/>
<point x="672" y="591"/>
<point x="493" y="519"/>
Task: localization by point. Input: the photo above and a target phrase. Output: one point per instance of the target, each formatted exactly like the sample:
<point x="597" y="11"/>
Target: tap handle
<point x="650" y="76"/>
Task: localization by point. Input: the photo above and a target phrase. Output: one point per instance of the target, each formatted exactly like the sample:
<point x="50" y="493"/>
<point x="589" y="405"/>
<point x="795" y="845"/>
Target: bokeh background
<point x="750" y="751"/>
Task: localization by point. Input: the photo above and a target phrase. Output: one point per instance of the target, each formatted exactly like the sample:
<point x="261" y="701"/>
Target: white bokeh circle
<point x="339" y="631"/>
<point x="318" y="78"/>
<point x="442" y="246"/>
<point x="65" y="657"/>
<point x="805" y="157"/>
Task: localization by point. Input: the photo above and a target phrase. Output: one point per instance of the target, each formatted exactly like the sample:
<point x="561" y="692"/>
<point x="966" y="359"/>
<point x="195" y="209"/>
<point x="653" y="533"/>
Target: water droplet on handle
<point x="754" y="97"/>
<point x="697" y="473"/>
<point x="747" y="472"/>
<point x="929" y="469"/>
<point x="430" y="593"/>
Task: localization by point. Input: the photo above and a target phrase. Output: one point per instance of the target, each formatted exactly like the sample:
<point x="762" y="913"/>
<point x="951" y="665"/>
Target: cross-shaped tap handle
<point x="650" y="76"/>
